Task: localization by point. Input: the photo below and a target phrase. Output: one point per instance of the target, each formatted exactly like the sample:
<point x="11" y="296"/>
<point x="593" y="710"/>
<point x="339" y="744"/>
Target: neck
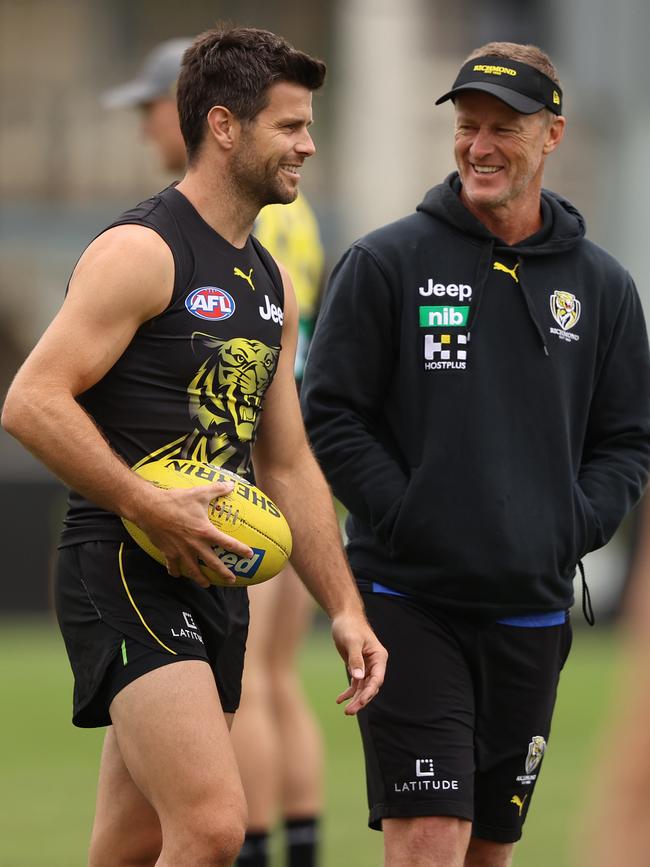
<point x="220" y="204"/>
<point x="512" y="221"/>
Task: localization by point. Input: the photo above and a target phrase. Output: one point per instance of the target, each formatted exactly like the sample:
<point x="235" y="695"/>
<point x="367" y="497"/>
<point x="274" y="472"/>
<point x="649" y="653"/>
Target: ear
<point x="554" y="133"/>
<point x="223" y="126"/>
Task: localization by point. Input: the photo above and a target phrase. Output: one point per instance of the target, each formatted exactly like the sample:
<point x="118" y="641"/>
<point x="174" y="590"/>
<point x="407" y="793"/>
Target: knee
<point x="442" y="840"/>
<point x="214" y="841"/>
<point x="225" y="842"/>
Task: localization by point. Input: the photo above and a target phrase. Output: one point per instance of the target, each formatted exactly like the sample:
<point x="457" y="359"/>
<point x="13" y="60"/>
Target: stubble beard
<point x="261" y="183"/>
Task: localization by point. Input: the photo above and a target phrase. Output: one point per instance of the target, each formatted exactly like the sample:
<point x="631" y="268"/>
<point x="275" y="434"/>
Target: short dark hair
<point x="235" y="67"/>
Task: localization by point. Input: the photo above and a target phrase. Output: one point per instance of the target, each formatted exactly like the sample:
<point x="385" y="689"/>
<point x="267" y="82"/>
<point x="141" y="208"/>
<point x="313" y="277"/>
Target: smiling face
<point x="274" y="145"/>
<point x="500" y="154"/>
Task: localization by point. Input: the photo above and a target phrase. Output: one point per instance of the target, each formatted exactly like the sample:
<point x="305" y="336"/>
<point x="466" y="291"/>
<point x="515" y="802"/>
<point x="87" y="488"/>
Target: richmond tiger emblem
<point x="224" y="401"/>
<point x="536" y="750"/>
<point x="565" y="308"/>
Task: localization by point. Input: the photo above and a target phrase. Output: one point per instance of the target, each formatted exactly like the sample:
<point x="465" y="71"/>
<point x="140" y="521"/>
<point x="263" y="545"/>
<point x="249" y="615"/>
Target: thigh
<point x="175" y="743"/>
<point x="418" y="732"/>
<point x="518" y="671"/>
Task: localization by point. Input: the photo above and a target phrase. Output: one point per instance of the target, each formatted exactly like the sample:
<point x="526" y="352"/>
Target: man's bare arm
<point x="124" y="278"/>
<point x="286" y="469"/>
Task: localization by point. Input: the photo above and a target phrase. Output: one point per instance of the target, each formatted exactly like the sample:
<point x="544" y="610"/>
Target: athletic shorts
<point x="121" y="615"/>
<point x="461" y="724"/>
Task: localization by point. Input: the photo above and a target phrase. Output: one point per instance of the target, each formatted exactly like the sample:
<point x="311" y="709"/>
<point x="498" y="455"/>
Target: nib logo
<point x="449" y="317"/>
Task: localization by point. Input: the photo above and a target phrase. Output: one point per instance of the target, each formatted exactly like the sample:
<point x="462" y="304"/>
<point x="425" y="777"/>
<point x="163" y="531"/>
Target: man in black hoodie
<point x="478" y="394"/>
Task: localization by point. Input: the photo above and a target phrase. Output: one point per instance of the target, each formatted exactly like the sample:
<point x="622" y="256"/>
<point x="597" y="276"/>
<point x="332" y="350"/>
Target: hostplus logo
<point x="446" y="351"/>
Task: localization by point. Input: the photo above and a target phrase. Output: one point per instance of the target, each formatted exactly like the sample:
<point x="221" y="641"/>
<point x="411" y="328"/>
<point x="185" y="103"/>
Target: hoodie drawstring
<point x="530" y="308"/>
<point x="482" y="273"/>
<point x="587" y="608"/>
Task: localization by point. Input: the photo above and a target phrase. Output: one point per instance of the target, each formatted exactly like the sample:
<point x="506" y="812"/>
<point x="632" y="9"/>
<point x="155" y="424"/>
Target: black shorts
<point x="121" y="614"/>
<point x="460" y="725"/>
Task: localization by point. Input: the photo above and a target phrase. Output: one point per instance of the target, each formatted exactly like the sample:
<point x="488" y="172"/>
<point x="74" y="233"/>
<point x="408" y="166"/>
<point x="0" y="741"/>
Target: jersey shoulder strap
<point x="271" y="266"/>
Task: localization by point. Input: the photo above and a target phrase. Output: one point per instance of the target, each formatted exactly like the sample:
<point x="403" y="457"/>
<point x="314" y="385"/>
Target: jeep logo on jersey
<point x="436" y="317"/>
<point x="209" y="302"/>
<point x="452" y="290"/>
<point x="271" y="311"/>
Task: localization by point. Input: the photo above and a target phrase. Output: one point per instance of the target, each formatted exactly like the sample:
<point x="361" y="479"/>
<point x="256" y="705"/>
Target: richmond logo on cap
<point x="210" y="302"/>
<point x="488" y="69"/>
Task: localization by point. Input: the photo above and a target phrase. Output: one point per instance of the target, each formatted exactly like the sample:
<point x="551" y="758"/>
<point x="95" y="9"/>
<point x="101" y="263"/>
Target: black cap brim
<point x="522" y="104"/>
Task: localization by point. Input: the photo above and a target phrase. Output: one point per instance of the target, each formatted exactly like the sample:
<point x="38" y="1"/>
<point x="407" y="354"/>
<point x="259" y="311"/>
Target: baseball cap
<point x="156" y="78"/>
<point x="519" y="85"/>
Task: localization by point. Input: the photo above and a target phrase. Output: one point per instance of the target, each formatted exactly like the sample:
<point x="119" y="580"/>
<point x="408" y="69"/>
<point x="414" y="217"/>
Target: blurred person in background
<point x="277" y="741"/>
<point x="157" y="654"/>
<point x="478" y="395"/>
<point x="614" y="829"/>
<point x="153" y="93"/>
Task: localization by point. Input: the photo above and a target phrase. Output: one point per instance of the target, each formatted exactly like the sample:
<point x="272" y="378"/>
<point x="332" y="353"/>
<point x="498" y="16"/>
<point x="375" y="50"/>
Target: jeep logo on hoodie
<point x="452" y="290"/>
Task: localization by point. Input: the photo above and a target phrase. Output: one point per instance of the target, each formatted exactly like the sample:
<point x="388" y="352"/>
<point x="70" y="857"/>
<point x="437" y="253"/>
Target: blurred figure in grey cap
<point x="153" y="92"/>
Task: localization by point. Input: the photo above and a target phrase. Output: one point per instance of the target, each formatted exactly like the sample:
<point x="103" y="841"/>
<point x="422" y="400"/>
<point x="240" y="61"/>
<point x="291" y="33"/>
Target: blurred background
<point x="68" y="167"/>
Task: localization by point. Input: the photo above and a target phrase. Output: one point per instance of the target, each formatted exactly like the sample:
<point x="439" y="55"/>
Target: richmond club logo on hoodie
<point x="566" y="309"/>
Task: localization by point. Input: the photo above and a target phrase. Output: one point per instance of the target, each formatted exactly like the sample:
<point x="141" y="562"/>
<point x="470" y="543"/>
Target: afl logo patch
<point x="209" y="302"/>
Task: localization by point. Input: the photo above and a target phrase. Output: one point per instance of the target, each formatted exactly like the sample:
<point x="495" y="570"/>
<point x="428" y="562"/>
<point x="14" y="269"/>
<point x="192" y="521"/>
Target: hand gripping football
<point x="245" y="513"/>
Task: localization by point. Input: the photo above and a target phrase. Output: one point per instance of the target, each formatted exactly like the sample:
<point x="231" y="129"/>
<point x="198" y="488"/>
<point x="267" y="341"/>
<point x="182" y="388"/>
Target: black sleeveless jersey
<point x="192" y="381"/>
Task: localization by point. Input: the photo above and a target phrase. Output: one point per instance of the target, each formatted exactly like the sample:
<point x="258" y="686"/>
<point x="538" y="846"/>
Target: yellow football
<point x="246" y="514"/>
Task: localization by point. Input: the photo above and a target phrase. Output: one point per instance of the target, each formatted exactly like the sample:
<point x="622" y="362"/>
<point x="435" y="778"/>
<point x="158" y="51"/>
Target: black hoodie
<point x="482" y="410"/>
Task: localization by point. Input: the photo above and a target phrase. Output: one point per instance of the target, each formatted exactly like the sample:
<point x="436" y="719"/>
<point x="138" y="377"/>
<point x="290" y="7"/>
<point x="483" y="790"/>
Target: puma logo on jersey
<point x="512" y="271"/>
<point x="516" y="800"/>
<point x="247" y="277"/>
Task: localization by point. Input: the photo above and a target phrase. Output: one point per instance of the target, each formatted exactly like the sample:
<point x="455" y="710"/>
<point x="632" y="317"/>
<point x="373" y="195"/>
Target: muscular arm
<point x="124" y="278"/>
<point x="286" y="469"/>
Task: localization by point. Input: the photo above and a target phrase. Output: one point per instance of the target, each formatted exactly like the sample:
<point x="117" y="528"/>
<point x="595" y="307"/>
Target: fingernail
<point x="357" y="673"/>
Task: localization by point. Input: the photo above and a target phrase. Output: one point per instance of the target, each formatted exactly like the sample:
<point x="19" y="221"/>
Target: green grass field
<point x="48" y="768"/>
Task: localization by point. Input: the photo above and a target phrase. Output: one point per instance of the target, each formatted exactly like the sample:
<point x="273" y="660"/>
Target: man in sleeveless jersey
<point x="276" y="738"/>
<point x="162" y="348"/>
<point x="478" y="394"/>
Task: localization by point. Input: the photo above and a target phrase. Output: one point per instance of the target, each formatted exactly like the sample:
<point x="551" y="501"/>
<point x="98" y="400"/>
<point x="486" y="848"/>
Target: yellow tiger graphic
<point x="225" y="399"/>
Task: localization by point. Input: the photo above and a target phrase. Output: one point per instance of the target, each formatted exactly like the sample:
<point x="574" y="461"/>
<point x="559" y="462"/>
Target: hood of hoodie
<point x="563" y="227"/>
<point x="562" y="224"/>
